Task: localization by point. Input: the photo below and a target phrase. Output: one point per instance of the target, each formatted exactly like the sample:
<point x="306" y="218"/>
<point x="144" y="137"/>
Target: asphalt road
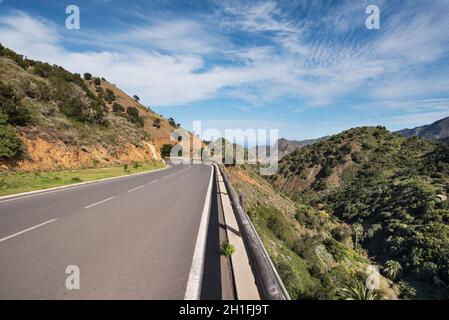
<point x="132" y="238"/>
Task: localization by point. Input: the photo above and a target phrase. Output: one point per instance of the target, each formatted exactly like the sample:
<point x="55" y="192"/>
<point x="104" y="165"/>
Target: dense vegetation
<point x="12" y="113"/>
<point x="392" y="190"/>
<point x="10" y="145"/>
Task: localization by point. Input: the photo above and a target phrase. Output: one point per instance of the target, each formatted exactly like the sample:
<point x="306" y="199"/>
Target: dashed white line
<point x="94" y="204"/>
<point x="26" y="230"/>
<point x="135" y="189"/>
<point x="153" y="182"/>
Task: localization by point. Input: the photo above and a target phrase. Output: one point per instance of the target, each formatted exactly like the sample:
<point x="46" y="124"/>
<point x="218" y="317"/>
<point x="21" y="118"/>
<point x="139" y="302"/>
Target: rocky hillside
<point x="436" y="131"/>
<point x="51" y="119"/>
<point x="391" y="190"/>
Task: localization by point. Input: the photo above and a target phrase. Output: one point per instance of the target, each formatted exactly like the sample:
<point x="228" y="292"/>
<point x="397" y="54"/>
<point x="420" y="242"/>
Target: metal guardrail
<point x="267" y="279"/>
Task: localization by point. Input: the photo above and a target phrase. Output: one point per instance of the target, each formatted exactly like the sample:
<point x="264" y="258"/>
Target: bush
<point x="97" y="81"/>
<point x="87" y="76"/>
<point x="136" y="164"/>
<point x="157" y="123"/>
<point x="10" y="145"/>
<point x="109" y="95"/>
<point x="118" y="108"/>
<point x="227" y="249"/>
<point x="10" y="106"/>
<point x="172" y="122"/>
<point x="43" y="70"/>
<point x="136" y="97"/>
<point x="133" y="116"/>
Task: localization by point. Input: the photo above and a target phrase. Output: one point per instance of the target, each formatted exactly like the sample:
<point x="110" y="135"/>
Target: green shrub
<point x="118" y="108"/>
<point x="172" y="122"/>
<point x="10" y="145"/>
<point x="133" y="116"/>
<point x="136" y="164"/>
<point x="9" y="105"/>
<point x="157" y="123"/>
<point x="87" y="76"/>
<point x="109" y="95"/>
<point x="227" y="249"/>
<point x="97" y="81"/>
<point x="335" y="248"/>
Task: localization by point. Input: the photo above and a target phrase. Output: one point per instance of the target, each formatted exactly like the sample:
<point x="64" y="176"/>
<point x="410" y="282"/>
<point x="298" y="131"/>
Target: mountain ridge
<point x="438" y="130"/>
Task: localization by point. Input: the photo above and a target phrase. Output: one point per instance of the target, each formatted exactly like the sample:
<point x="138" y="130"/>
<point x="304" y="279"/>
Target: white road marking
<point x="29" y="194"/>
<point x="99" y="202"/>
<point x="26" y="230"/>
<point x="153" y="182"/>
<point x="135" y="189"/>
<point x="196" y="270"/>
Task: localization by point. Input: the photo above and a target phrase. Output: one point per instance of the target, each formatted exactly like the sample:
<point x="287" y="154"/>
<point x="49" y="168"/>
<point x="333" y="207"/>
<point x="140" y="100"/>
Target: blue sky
<point x="308" y="68"/>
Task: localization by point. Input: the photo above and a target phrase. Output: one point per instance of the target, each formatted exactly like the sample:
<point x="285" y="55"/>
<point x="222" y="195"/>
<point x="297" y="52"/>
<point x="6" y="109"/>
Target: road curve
<point x="132" y="238"/>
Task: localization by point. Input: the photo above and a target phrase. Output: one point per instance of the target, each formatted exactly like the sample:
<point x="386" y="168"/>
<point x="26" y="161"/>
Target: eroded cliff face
<point x="44" y="155"/>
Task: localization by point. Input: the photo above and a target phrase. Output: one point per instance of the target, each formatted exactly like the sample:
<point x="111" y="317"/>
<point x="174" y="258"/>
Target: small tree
<point x="136" y="97"/>
<point x="87" y="76"/>
<point x="97" y="81"/>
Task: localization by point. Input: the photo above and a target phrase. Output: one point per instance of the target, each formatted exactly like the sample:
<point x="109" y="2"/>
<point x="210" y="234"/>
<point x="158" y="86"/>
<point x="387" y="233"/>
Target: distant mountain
<point x="438" y="130"/>
<point x="288" y="146"/>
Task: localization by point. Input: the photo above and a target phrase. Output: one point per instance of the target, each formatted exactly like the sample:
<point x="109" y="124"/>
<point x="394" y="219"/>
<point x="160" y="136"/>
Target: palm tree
<point x="357" y="291"/>
<point x="392" y="268"/>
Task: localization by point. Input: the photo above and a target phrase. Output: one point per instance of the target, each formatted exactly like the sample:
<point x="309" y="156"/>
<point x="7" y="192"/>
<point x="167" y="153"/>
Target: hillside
<point x="313" y="251"/>
<point x="389" y="188"/>
<point x="53" y="119"/>
<point x="436" y="131"/>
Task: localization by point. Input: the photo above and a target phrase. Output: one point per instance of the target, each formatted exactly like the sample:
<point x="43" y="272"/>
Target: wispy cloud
<point x="318" y="54"/>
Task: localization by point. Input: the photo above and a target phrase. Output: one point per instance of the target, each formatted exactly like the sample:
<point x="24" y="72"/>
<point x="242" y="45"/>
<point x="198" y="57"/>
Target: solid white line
<point x="26" y="230"/>
<point x="135" y="189"/>
<point x="94" y="204"/>
<point x="196" y="270"/>
<point x="153" y="182"/>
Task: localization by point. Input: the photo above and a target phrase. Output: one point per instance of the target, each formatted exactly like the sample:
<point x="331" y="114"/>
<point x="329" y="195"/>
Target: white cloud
<point x="169" y="62"/>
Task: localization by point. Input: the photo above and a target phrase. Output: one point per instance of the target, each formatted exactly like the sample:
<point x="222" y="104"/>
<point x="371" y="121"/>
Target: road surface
<point x="131" y="238"/>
